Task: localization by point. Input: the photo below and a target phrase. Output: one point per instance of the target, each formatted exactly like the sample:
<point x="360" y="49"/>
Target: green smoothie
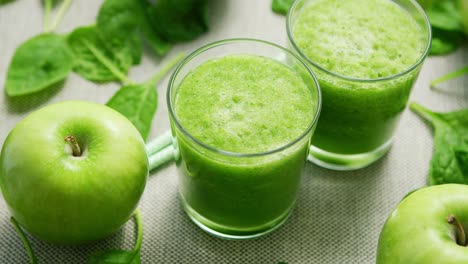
<point x="355" y="43"/>
<point x="245" y="105"/>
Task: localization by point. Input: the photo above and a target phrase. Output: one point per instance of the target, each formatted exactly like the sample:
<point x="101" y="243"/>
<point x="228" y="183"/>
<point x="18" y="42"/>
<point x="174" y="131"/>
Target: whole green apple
<point x="427" y="227"/>
<point x="73" y="172"/>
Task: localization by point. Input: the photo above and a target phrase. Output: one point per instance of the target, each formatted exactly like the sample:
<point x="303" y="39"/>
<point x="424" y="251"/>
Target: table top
<point x="338" y="216"/>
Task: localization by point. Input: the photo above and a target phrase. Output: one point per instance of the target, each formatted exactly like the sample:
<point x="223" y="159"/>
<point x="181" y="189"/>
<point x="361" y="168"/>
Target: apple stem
<point x="461" y="235"/>
<point x="76" y="150"/>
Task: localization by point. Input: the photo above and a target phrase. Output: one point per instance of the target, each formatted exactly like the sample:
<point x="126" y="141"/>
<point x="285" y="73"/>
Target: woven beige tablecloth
<point x="338" y="216"/>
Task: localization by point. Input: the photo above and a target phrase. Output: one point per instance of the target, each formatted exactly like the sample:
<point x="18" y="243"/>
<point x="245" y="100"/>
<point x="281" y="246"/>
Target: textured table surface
<point x="338" y="215"/>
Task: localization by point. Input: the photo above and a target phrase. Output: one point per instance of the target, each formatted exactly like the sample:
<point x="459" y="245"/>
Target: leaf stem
<point x="27" y="245"/>
<point x="165" y="69"/>
<point x="159" y="143"/>
<point x="60" y="14"/>
<point x="161" y="157"/>
<point x="47" y="9"/>
<point x="139" y="224"/>
<point x="422" y="111"/>
<point x="449" y="76"/>
<point x="117" y="73"/>
<point x="461" y="235"/>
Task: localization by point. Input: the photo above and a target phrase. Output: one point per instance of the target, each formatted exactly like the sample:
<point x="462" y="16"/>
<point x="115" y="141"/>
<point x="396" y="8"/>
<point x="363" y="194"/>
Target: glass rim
<point x="354" y="79"/>
<point x="218" y="43"/>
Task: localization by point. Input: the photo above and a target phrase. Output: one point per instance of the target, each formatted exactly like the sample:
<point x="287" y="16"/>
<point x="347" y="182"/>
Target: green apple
<point x="73" y="172"/>
<point x="427" y="227"/>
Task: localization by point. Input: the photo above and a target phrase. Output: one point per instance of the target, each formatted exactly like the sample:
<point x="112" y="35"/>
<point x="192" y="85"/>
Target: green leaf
<point x="449" y="162"/>
<point x="136" y="48"/>
<point x="464" y="14"/>
<point x="97" y="59"/>
<point x="38" y="63"/>
<point x="462" y="159"/>
<point x="425" y="4"/>
<point x="138" y="102"/>
<point x="159" y="46"/>
<point x="118" y="22"/>
<point x="281" y="6"/>
<point x="445" y="15"/>
<point x="444" y="42"/>
<point x="5" y="1"/>
<point x="179" y="20"/>
<point x="446" y="18"/>
<point x="118" y="18"/>
<point x="118" y="256"/>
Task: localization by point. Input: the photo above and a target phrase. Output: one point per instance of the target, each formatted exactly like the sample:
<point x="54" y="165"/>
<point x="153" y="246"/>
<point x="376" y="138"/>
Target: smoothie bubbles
<point x="243" y="121"/>
<point x="367" y="55"/>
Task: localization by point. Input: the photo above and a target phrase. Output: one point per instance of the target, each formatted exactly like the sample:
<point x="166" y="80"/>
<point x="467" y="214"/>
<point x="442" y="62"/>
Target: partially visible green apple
<point x="427" y="227"/>
<point x="66" y="195"/>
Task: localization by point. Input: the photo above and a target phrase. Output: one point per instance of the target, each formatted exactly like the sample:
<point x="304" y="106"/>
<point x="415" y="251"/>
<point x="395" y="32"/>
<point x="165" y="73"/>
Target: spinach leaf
<point x="425" y="4"/>
<point x="138" y="102"/>
<point x="38" y="63"/>
<point x="162" y="23"/>
<point x="118" y="18"/>
<point x="448" y="31"/>
<point x="464" y="14"/>
<point x="281" y="6"/>
<point x="179" y="20"/>
<point x="124" y="20"/>
<point x="445" y="42"/>
<point x="157" y="44"/>
<point x="118" y="22"/>
<point x="136" y="48"/>
<point x="449" y="162"/>
<point x="117" y="256"/>
<point x="462" y="159"/>
<point x="5" y="1"/>
<point x="445" y="15"/>
<point x="97" y="59"/>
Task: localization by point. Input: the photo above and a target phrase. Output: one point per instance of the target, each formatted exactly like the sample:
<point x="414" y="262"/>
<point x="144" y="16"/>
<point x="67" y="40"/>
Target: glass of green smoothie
<point x="242" y="113"/>
<point x="367" y="55"/>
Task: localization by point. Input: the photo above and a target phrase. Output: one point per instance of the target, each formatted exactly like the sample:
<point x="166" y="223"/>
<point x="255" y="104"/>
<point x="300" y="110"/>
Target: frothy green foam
<point x="244" y="104"/>
<point x="365" y="39"/>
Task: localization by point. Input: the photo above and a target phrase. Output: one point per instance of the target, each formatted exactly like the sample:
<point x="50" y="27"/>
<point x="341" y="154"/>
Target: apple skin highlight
<point x="419" y="230"/>
<point x="66" y="199"/>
